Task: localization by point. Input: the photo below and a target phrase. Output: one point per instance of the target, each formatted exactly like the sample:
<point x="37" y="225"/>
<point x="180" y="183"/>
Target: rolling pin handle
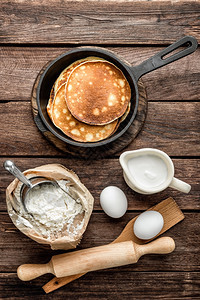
<point x="28" y="272"/>
<point x="163" y="245"/>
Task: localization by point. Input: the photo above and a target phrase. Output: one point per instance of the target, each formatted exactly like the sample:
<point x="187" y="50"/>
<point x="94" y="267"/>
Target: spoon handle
<point x="11" y="167"/>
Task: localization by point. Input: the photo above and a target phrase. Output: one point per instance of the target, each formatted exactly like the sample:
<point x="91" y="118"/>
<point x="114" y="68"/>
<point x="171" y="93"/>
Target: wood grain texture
<point x="98" y="22"/>
<point x="177" y="81"/>
<point x="165" y="128"/>
<point x="17" y="249"/>
<point x="96" y="178"/>
<point x="136" y="285"/>
<point x="34" y="32"/>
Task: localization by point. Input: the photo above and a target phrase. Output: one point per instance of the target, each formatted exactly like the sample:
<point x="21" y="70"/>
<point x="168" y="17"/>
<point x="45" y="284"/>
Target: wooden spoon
<point x="171" y="214"/>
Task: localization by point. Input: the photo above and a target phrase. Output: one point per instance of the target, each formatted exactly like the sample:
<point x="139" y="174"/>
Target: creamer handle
<point x="180" y="185"/>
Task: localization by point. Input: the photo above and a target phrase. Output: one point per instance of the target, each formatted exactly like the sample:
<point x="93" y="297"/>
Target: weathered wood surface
<point x="103" y="230"/>
<point x="174" y="82"/>
<point x="97" y="178"/>
<point x="119" y="285"/>
<point x="35" y="32"/>
<point x="98" y="22"/>
<point x="165" y="128"/>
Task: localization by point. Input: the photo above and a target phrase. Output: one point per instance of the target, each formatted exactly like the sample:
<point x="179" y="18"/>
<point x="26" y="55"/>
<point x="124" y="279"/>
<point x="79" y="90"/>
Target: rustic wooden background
<point x="34" y="32"/>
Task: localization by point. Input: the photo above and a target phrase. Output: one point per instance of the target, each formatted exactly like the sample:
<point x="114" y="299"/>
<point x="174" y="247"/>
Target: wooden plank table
<point x="34" y="32"/>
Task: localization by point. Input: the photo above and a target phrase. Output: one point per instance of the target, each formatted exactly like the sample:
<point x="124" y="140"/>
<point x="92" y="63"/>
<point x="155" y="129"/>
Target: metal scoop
<point x="28" y="184"/>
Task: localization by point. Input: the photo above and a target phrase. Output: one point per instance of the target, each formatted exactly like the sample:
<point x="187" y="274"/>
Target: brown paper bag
<point x="26" y="224"/>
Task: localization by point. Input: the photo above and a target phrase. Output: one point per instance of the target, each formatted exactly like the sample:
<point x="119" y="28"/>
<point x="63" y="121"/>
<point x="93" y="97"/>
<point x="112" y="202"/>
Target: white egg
<point x="148" y="225"/>
<point x="113" y="201"/>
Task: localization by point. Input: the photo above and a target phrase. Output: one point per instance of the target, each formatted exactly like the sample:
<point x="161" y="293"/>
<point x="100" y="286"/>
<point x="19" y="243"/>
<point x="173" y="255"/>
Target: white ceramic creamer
<point x="149" y="171"/>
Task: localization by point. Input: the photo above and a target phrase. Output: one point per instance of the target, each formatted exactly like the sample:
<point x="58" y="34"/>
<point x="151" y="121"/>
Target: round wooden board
<point x="101" y="151"/>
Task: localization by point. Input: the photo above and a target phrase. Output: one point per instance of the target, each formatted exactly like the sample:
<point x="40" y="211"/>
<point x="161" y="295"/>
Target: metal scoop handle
<point x="11" y="167"/>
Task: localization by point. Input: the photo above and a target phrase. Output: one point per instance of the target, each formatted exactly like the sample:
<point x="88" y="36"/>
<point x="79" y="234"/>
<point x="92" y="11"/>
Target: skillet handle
<point x="158" y="59"/>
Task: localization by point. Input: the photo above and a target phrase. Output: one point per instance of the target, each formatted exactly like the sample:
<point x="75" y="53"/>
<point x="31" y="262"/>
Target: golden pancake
<point x="120" y="120"/>
<point x="97" y="92"/>
<point x="126" y="113"/>
<point x="78" y="131"/>
<point x="62" y="79"/>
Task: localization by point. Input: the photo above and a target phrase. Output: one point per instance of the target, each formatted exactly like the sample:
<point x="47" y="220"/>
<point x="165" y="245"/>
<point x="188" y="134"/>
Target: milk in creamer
<point x="148" y="171"/>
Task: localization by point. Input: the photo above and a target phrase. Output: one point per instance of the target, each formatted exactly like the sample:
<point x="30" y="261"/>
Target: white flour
<point x="51" y="210"/>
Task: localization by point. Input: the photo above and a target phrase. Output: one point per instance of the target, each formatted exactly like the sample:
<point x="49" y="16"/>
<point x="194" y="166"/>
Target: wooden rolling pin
<point x="97" y="258"/>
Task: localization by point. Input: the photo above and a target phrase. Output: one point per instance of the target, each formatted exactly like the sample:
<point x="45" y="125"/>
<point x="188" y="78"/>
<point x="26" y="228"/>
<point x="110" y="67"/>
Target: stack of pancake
<point x="89" y="100"/>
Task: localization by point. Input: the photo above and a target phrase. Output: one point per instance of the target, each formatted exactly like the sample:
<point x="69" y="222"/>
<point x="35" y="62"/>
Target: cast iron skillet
<point x="132" y="74"/>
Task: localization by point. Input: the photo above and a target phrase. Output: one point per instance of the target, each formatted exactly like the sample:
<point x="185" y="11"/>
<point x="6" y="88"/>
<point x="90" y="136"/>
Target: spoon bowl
<point x="28" y="184"/>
